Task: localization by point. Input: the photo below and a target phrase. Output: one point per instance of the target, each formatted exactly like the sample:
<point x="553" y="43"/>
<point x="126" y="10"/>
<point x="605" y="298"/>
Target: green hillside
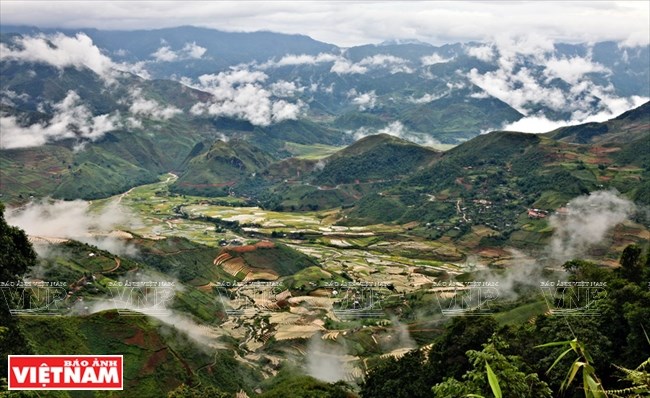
<point x="377" y="157"/>
<point x="629" y="126"/>
<point x="221" y="166"/>
<point x="458" y="116"/>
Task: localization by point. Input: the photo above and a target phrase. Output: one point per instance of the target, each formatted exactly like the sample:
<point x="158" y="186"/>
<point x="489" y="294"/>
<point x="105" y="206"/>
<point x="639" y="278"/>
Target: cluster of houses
<point x="539" y="213"/>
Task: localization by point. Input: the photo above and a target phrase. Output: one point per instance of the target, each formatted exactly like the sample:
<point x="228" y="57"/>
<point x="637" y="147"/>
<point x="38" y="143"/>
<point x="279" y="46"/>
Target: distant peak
<point x="397" y="42"/>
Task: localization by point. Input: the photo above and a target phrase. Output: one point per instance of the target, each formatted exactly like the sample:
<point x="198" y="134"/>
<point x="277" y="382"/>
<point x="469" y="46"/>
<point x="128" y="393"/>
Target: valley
<point x="262" y="214"/>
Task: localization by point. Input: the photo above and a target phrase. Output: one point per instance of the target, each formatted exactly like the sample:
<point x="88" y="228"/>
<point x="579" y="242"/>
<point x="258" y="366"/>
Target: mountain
<point x="377" y="157"/>
<point x="629" y="126"/>
<point x="459" y="116"/>
<point x="222" y="49"/>
<point x="108" y="123"/>
<point x="492" y="179"/>
<point x="220" y="166"/>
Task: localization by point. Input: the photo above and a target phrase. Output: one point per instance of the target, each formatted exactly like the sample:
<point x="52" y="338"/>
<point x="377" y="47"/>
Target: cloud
<point x="571" y="70"/>
<point x="63" y="51"/>
<point x="11" y="98"/>
<point x="60" y="51"/>
<point x="526" y="66"/>
<point x="433" y="59"/>
<point x="325" y="361"/>
<point x="343" y="66"/>
<point x="612" y="107"/>
<point x="240" y="94"/>
<point x="138" y="69"/>
<point x="359" y="22"/>
<point x="165" y="54"/>
<point x="303" y="59"/>
<point x="282" y="110"/>
<point x="394" y="64"/>
<point x="75" y="220"/>
<point x="283" y="88"/>
<point x="484" y="53"/>
<point x="193" y="50"/>
<point x="535" y="124"/>
<point x="189" y="51"/>
<point x="364" y="100"/>
<point x="70" y="119"/>
<point x="396" y="129"/>
<point x="150" y="108"/>
<point x="154" y="302"/>
<point x="589" y="219"/>
<point x="425" y="98"/>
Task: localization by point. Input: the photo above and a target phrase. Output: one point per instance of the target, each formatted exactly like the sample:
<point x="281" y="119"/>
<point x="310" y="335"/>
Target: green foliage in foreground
<point x="604" y="351"/>
<point x="505" y="380"/>
<point x="16" y="256"/>
<point x="290" y="383"/>
<point x="183" y="391"/>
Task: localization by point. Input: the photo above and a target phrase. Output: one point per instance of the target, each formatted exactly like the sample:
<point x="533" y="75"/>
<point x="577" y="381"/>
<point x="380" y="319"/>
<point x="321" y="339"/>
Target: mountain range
<point x="97" y="127"/>
<point x="211" y="160"/>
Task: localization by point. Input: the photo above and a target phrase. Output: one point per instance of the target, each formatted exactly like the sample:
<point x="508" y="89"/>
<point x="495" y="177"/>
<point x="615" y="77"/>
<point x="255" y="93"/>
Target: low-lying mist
<point x="74" y="220"/>
<point x="584" y="225"/>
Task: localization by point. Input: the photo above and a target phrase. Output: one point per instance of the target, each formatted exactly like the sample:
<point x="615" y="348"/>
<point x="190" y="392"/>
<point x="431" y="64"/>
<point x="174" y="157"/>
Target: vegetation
<point x="602" y="346"/>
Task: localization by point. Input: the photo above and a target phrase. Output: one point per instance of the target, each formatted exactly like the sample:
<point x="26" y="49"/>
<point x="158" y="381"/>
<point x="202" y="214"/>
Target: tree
<point x="16" y="256"/>
<point x="494" y="374"/>
<point x="184" y="391"/>
<point x="399" y="378"/>
<point x="631" y="263"/>
<point x="591" y="384"/>
<point x="16" y="253"/>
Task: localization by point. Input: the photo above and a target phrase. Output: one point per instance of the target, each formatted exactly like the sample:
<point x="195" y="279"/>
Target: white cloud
<point x="484" y="53"/>
<point x="613" y="106"/>
<point x="480" y="95"/>
<point x="571" y="70"/>
<point x="396" y="129"/>
<point x="433" y="59"/>
<point x="60" y="51"/>
<point x="536" y="124"/>
<point x="137" y="69"/>
<point x="425" y="98"/>
<point x="394" y="64"/>
<point x="343" y="66"/>
<point x="189" y="51"/>
<point x="358" y="22"/>
<point x="75" y="220"/>
<point x="193" y="50"/>
<point x="10" y="97"/>
<point x="518" y="89"/>
<point x="589" y="220"/>
<point x="70" y="119"/>
<point x="283" y="88"/>
<point x="165" y="54"/>
<point x="365" y="100"/>
<point x="63" y="51"/>
<point x="303" y="59"/>
<point x="150" y="108"/>
<point x="283" y="110"/>
<point x="240" y="94"/>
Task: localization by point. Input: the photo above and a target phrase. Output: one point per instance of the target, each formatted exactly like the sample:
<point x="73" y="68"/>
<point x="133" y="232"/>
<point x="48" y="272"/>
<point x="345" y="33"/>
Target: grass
<point x="314" y="151"/>
<point x="521" y="314"/>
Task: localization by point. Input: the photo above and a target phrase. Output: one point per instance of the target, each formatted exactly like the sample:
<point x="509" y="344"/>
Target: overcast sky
<point x="354" y="23"/>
